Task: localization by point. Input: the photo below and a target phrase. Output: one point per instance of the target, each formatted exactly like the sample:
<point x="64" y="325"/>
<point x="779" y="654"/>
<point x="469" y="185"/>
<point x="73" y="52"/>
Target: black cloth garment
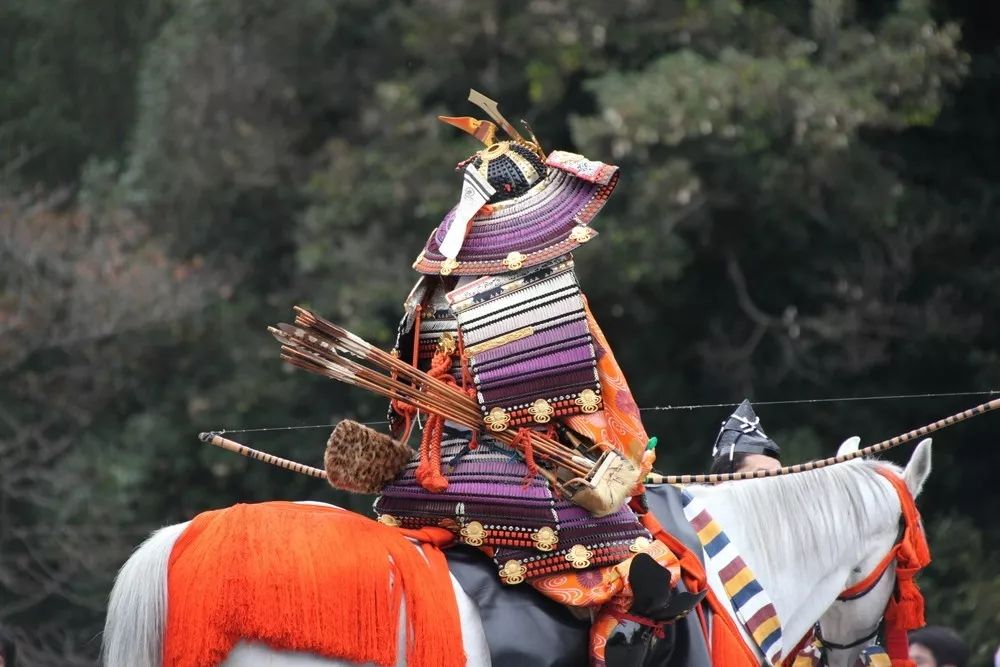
<point x="523" y="627"/>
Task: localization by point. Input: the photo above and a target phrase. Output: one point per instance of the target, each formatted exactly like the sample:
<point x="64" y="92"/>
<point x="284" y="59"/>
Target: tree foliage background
<point x="808" y="208"/>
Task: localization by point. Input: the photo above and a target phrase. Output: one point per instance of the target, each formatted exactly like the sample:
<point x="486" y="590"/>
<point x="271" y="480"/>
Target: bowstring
<point x="840" y="399"/>
<point x="286" y="428"/>
<point x="697" y="406"/>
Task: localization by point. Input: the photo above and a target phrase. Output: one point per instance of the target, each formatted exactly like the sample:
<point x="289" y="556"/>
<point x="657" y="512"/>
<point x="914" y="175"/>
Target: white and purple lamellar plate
<point x="489" y="486"/>
<point x="529" y="347"/>
<point x="493" y="501"/>
<point x="436" y="321"/>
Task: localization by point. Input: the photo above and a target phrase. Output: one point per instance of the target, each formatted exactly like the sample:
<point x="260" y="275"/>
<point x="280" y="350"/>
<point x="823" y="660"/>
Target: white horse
<point x="807" y="537"/>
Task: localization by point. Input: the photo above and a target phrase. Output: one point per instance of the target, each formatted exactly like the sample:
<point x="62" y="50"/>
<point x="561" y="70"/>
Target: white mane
<point x="800" y="512"/>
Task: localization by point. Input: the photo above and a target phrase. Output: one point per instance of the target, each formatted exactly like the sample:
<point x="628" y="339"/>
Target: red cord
<point x="522" y="441"/>
<point x="429" y="471"/>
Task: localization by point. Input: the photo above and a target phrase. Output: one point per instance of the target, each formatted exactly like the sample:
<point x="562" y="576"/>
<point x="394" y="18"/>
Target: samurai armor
<point x="528" y="345"/>
<point x="491" y="501"/>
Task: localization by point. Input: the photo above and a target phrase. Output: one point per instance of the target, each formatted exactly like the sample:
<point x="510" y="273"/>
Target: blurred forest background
<point x="808" y="208"/>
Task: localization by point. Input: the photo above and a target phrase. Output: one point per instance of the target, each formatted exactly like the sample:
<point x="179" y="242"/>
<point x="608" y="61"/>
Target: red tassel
<point x="429" y="471"/>
<point x="908" y="610"/>
<point x="436" y="482"/>
<point x="423" y="468"/>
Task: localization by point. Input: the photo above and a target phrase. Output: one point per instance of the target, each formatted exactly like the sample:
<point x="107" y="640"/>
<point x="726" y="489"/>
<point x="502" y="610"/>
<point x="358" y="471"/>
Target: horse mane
<point x="810" y="512"/>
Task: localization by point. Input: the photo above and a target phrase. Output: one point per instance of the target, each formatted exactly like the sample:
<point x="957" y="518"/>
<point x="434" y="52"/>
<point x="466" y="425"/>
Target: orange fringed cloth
<point x="307" y="578"/>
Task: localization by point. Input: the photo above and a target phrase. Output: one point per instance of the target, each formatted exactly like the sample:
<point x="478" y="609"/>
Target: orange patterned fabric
<point x="593" y="587"/>
<point x="604" y="588"/>
<point x="618" y="424"/>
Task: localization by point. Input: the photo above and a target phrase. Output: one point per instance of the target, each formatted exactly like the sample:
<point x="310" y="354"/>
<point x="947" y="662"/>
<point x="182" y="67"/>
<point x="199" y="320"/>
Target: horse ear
<point x="919" y="467"/>
<point x="849" y="445"/>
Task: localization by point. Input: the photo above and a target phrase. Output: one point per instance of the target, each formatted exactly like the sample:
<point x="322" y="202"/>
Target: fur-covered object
<point x="362" y="460"/>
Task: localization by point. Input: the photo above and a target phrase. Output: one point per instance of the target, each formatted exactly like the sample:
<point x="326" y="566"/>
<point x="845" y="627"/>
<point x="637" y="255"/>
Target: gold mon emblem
<point x="541" y="411"/>
<point x="513" y="572"/>
<point x="640" y="544"/>
<point x="473" y="534"/>
<point x="447" y="266"/>
<point x="447" y="344"/>
<point x="579" y="556"/>
<point x="389" y="520"/>
<point x="545" y="538"/>
<point x="497" y="419"/>
<point x="581" y="234"/>
<point x="514" y="260"/>
<point x="588" y="400"/>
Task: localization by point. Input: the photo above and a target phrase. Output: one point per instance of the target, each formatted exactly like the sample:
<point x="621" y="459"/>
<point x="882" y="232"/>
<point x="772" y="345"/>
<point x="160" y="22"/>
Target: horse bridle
<point x="825" y="643"/>
<point x="858" y="591"/>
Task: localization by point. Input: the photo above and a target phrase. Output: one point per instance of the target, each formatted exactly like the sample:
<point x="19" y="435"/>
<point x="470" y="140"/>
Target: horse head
<point x="809" y="538"/>
<point x="853" y="620"/>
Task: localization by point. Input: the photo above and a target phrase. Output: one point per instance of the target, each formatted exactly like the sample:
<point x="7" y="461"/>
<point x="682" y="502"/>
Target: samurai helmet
<point x="519" y="207"/>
